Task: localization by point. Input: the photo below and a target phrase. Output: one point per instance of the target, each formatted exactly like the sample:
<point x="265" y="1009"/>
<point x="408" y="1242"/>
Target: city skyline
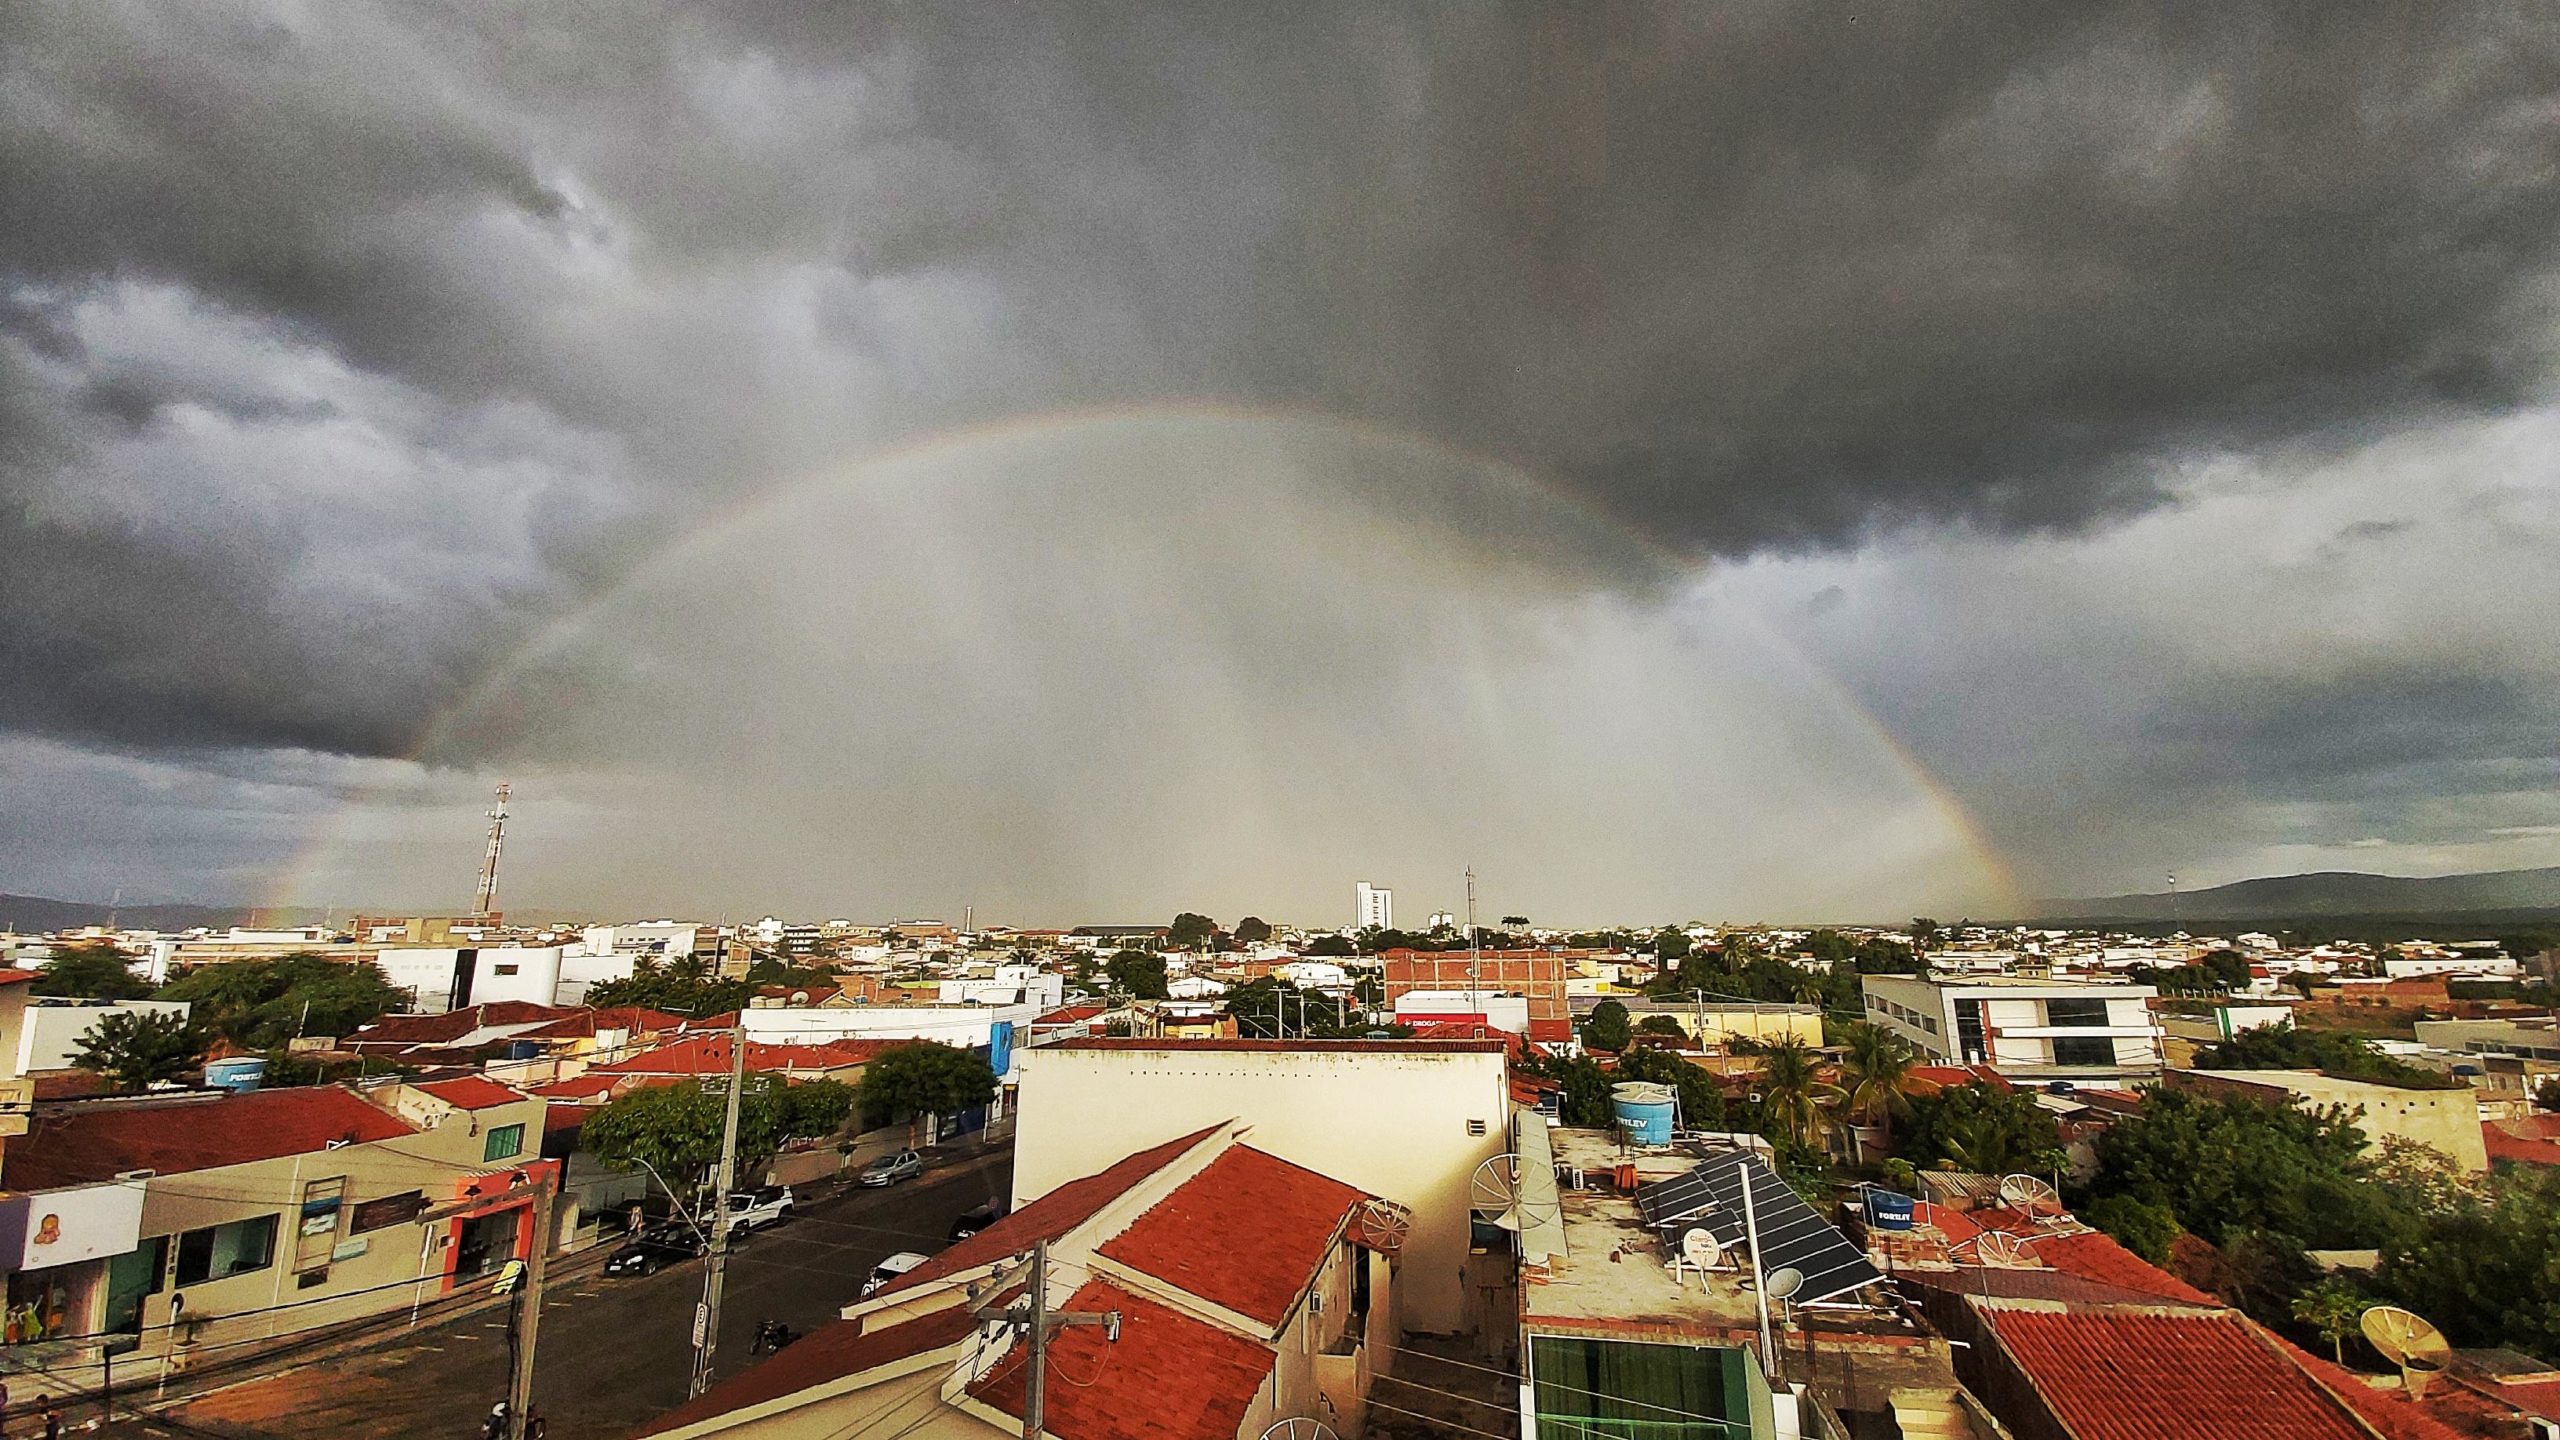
<point x="1675" y="460"/>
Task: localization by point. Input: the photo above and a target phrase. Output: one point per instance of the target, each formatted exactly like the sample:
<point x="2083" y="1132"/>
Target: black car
<point x="658" y="1245"/>
<point x="979" y="1219"/>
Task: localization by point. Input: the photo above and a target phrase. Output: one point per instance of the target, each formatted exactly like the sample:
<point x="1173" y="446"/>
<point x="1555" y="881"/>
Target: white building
<point x="2490" y="965"/>
<point x="1009" y="985"/>
<point x="1412" y="1119"/>
<point x="1375" y="905"/>
<point x="2031" y="1029"/>
<point x="54" y="1026"/>
<point x="663" y="938"/>
<point x="447" y="977"/>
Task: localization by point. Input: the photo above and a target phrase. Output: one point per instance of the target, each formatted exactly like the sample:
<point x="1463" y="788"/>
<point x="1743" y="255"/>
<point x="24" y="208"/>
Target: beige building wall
<point x="2448" y="1120"/>
<point x="1710" y="1024"/>
<point x="1404" y="1123"/>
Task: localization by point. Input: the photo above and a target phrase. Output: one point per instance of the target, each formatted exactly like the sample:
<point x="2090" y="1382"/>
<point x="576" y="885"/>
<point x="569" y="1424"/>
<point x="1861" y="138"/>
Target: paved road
<point x="614" y="1353"/>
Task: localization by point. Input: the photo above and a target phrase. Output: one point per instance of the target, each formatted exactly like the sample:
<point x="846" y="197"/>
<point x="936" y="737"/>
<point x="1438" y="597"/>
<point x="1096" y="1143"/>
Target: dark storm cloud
<point x="1749" y="278"/>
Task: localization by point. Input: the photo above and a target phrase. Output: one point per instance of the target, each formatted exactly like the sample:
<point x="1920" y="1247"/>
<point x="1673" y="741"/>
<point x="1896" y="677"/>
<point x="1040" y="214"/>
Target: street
<point x="612" y="1353"/>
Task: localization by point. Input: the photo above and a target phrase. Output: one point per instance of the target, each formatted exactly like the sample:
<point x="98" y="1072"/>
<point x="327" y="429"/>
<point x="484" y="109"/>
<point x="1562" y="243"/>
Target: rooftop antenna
<point x="488" y="892"/>
<point x="1475" y="953"/>
<point x="2173" y="899"/>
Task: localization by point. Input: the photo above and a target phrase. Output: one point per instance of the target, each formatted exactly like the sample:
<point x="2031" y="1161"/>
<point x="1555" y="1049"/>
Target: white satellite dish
<point x="1494" y="1195"/>
<point x="2029" y="1196"/>
<point x="2004" y="1250"/>
<point x="1384" y="1225"/>
<point x="1700" y="1248"/>
<point x="1785" y="1281"/>
<point x="2408" y="1341"/>
<point x="1298" y="1427"/>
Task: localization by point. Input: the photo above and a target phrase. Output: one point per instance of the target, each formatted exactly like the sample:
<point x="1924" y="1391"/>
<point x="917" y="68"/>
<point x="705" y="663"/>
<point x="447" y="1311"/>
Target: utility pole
<point x="1033" y="1320"/>
<point x="1475" y="952"/>
<point x="529" y="1317"/>
<point x="487" y="894"/>
<point x="706" y="1319"/>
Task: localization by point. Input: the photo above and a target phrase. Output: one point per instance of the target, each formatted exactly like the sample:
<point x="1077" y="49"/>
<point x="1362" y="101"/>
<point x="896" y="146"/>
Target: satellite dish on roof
<point x="1700" y="1248"/>
<point x="2029" y="1196"/>
<point x="2004" y="1250"/>
<point x="1298" y="1427"/>
<point x="1785" y="1281"/>
<point x="2408" y="1341"/>
<point x="1384" y="1225"/>
<point x="1494" y="1195"/>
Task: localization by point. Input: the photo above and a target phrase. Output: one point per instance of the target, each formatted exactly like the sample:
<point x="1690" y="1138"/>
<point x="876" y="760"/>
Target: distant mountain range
<point x="34" y="915"/>
<point x="2327" y="893"/>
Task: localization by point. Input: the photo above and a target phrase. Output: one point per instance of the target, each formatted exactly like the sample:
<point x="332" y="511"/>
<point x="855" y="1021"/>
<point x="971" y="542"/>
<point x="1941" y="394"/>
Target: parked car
<point x="890" y="1269"/>
<point x="662" y="1244"/>
<point x="890" y="1169"/>
<point x="762" y="1206"/>
<point x="971" y="1222"/>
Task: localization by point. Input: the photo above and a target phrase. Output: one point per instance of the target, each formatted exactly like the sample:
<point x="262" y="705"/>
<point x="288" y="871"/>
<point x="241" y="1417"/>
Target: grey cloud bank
<point x="344" y="348"/>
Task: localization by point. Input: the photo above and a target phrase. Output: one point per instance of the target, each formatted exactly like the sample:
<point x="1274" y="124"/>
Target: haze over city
<point x="1681" y="461"/>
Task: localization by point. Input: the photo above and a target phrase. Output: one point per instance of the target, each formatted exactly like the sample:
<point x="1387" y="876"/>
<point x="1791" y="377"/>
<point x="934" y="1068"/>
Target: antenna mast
<point x="488" y="892"/>
<point x="1475" y="952"/>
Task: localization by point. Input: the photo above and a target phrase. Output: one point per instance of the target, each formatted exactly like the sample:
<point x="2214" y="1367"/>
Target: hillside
<point x="2328" y="892"/>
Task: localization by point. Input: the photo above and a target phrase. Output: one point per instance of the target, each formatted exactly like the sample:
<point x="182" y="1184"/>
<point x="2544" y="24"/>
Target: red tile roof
<point x="1249" y="1233"/>
<point x="2395" y="1417"/>
<point x="830" y="1352"/>
<point x="17" y="977"/>
<point x="1049" y="1217"/>
<point x="452" y="1025"/>
<point x="582" y="1087"/>
<point x="585" y="1023"/>
<point x="471" y="1092"/>
<point x="1304" y="1047"/>
<point x="2097" y="1256"/>
<point x="91" y="1142"/>
<point x="1168" y="1374"/>
<point x="1069" y="1015"/>
<point x="2120" y="1374"/>
<point x="2503" y="1144"/>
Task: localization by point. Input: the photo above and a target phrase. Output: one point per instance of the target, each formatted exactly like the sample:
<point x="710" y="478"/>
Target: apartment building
<point x="2083" y="1031"/>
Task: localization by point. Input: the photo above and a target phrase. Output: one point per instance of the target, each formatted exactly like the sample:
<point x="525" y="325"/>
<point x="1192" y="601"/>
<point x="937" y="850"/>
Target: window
<point x="2084" y="1050"/>
<point x="1928" y="1024"/>
<point x="2075" y="1012"/>
<point x="233" y="1249"/>
<point x="505" y="1143"/>
<point x="509" y="969"/>
<point x="1969" y="1029"/>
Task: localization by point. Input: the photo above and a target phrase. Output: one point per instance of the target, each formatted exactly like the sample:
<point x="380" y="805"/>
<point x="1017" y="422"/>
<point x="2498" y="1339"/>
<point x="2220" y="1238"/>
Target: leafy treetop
<point x="95" y="970"/>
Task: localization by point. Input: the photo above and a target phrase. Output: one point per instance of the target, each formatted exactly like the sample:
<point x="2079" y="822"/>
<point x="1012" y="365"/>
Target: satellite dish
<point x="1785" y="1281"/>
<point x="1699" y="1248"/>
<point x="2029" y="1196"/>
<point x="1494" y="1194"/>
<point x="2004" y="1250"/>
<point x="1298" y="1427"/>
<point x="2408" y="1341"/>
<point x="1384" y="1225"/>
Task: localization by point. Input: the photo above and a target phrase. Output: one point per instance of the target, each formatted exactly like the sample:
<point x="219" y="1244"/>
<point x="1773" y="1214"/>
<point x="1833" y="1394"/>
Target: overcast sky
<point x="1701" y="460"/>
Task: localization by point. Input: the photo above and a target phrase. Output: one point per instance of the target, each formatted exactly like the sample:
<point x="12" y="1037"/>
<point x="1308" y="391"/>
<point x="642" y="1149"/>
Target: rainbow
<point x="292" y="882"/>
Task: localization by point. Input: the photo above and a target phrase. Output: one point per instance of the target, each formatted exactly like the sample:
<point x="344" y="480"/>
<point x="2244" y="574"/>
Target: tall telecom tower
<point x="488" y="891"/>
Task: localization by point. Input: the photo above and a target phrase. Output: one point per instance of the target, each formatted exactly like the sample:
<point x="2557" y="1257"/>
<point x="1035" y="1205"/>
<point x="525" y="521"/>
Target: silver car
<point x="890" y="1169"/>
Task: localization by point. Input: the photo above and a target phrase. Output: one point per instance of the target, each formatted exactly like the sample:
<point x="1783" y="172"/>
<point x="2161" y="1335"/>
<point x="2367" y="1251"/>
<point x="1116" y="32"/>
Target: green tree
<point x="683" y="986"/>
<point x="1606" y="1027"/>
<point x="1668" y="1026"/>
<point x="1191" y="931"/>
<point x="2488" y="1272"/>
<point x="134" y="1049"/>
<point x="1139" y="973"/>
<point x="1671" y="946"/>
<point x="2332" y="1052"/>
<point x="1794" y="1096"/>
<point x="815" y="1109"/>
<point x="1584" y="1098"/>
<point x="1924" y="935"/>
<point x="2226" y="1166"/>
<point x="676" y="1129"/>
<point x="2228" y="967"/>
<point x="261" y="1004"/>
<point x="94" y="970"/>
<point x="1976" y="1127"/>
<point x="1252" y="930"/>
<point x="1875" y="1070"/>
<point x="924" y="1079"/>
<point x="1332" y="946"/>
<point x="2145" y="1228"/>
<point x="2546" y="1095"/>
<point x="2332" y="1309"/>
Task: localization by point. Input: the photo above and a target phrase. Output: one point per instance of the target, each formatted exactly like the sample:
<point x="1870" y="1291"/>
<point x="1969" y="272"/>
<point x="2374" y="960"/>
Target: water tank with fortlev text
<point x="1644" y="1110"/>
<point x="240" y="1074"/>
<point x="1889" y="1210"/>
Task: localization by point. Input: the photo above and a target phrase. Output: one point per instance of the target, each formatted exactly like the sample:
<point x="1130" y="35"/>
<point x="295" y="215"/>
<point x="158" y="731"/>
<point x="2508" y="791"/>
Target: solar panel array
<point x="1792" y="1236"/>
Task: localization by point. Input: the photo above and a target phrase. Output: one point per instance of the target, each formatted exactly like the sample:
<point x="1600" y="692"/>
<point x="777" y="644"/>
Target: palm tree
<point x="1876" y="1073"/>
<point x="1796" y="1095"/>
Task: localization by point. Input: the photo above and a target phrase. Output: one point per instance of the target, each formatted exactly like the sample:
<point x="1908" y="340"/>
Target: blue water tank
<point x="1644" y="1109"/>
<point x="240" y="1074"/>
<point x="1887" y="1210"/>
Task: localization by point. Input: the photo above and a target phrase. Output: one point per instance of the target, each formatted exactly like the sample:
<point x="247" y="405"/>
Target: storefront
<point x="479" y="1241"/>
<point x="66" y="1249"/>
